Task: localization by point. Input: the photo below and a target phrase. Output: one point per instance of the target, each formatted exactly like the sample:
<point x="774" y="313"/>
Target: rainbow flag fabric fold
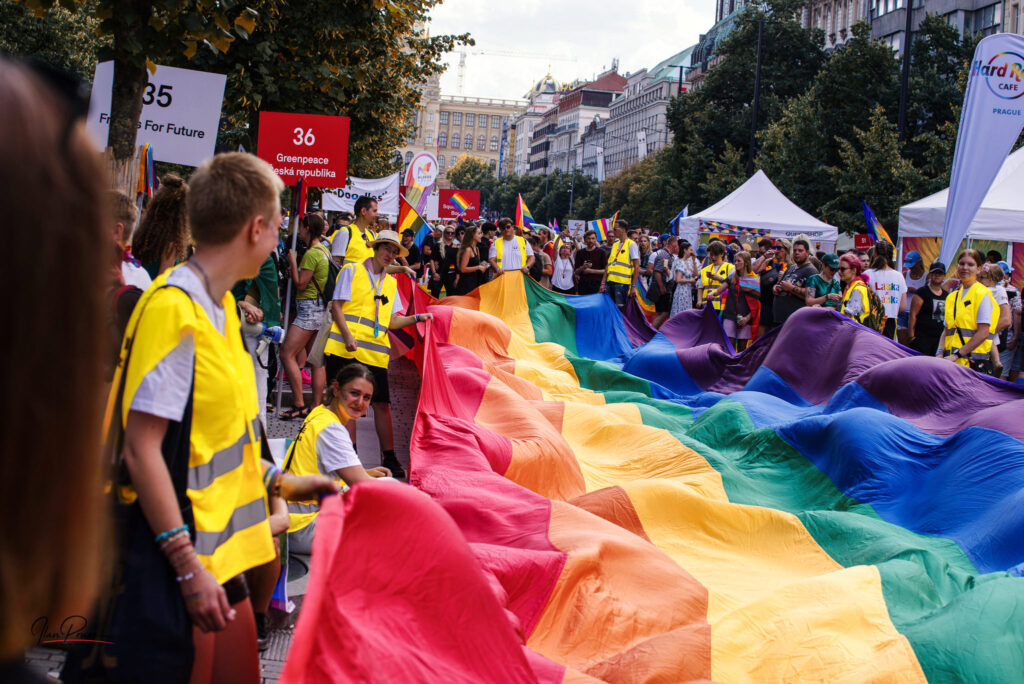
<point x="629" y="504"/>
<point x="874" y="227"/>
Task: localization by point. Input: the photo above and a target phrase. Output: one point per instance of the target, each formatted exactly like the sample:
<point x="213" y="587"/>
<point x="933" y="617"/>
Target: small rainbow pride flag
<point x="524" y="219"/>
<point x="875" y="229"/>
<point x="460" y="203"/>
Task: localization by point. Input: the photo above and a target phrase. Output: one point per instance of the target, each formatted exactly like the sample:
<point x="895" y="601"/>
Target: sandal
<point x="294" y="412"/>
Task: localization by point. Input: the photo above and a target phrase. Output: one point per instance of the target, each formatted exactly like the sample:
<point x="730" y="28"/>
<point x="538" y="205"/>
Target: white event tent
<point x="758" y="205"/>
<point x="1001" y="216"/>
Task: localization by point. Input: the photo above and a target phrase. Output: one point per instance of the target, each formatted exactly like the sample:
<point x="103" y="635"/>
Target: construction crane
<point x="502" y="53"/>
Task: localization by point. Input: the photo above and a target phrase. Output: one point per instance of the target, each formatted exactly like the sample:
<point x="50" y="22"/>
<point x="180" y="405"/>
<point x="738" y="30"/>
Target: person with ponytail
<point x="324" y="447"/>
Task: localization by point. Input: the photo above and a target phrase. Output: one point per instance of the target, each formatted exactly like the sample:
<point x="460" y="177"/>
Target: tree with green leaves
<point x="353" y="58"/>
<point x="871" y="168"/>
<point x="67" y="40"/>
<point x="473" y="173"/>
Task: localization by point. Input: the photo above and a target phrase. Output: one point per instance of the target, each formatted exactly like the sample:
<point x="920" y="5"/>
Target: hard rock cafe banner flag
<point x="991" y="120"/>
<point x="602" y="501"/>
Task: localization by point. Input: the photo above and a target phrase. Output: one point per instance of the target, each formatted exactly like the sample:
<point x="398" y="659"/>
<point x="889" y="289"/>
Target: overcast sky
<point x="577" y="38"/>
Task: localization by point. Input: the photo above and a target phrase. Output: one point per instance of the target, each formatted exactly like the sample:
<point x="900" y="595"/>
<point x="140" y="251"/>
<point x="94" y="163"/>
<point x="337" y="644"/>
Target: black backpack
<point x="333" y="269"/>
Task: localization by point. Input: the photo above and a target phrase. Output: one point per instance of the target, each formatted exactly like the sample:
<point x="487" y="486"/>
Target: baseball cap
<point x="936" y="267"/>
<point x="911" y="259"/>
<point x="702" y="251"/>
<point x="830" y="260"/>
<point x="1007" y="269"/>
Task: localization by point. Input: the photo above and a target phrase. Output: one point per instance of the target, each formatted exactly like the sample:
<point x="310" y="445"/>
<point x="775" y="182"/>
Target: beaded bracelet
<point x="176" y="537"/>
<point x="164" y="535"/>
<point x="187" y="577"/>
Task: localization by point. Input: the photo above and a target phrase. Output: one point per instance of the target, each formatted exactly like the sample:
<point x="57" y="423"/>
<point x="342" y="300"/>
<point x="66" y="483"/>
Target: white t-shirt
<point x="561" y="277"/>
<point x="918" y="283"/>
<point x="999" y="294"/>
<point x="510" y="260"/>
<point x="135" y="275"/>
<point x="890" y="286"/>
<point x="334" y="449"/>
<point x="634" y="252"/>
<point x="339" y="242"/>
<point x="343" y="286"/>
<point x="164" y="391"/>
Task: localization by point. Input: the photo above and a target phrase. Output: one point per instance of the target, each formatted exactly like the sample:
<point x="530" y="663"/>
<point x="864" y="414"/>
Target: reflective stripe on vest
<point x="305" y="461"/>
<point x="620" y="267"/>
<point x="499" y="251"/>
<point x="372" y="350"/>
<point x="962" y="321"/>
<point x="359" y="249"/>
<point x="225" y="477"/>
<point x="858" y="286"/>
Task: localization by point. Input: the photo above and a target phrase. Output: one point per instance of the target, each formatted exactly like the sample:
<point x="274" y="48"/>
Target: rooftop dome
<point x="546" y="85"/>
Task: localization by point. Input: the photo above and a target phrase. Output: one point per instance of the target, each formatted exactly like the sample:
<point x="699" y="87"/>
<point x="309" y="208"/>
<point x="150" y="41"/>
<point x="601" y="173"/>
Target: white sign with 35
<point x="180" y="112"/>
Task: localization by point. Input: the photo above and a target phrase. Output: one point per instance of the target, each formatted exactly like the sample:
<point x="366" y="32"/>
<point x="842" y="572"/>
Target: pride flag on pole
<point x="875" y="229"/>
<point x="409" y="219"/>
<point x="524" y="219"/>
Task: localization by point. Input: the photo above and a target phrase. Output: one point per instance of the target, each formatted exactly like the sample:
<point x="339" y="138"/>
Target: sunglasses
<point x="844" y="268"/>
<point x="449" y="232"/>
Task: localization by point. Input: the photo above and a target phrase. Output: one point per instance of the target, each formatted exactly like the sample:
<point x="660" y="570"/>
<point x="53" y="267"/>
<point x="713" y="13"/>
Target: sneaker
<point x="262" y="637"/>
<point x="392" y="464"/>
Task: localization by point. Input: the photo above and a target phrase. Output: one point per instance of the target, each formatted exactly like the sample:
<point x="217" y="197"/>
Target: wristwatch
<point x="959" y="355"/>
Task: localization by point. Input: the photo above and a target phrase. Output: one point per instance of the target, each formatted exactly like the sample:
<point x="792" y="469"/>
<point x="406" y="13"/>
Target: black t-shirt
<point x="786" y="304"/>
<point x="414" y="260"/>
<point x="931" y="319"/>
<point x="591" y="283"/>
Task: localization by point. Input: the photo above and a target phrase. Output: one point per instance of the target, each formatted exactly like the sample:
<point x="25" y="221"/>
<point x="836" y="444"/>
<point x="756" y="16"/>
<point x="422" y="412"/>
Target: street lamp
<point x="757" y="96"/>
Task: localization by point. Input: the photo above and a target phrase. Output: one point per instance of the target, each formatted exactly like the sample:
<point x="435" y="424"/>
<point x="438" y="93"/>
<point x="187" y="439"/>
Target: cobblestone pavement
<point x="404" y="381"/>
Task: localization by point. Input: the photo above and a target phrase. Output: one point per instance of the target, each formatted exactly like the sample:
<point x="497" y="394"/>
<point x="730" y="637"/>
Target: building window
<point x="493" y="164"/>
<point x="430" y="117"/>
<point x="430" y="138"/>
<point x="469" y="142"/>
<point x="471" y="120"/>
<point x="456" y="118"/>
<point x="408" y="159"/>
<point x="481" y="142"/>
<point x="440" y="161"/>
<point x="455" y="140"/>
<point x="444" y="118"/>
<point x="494" y="143"/>
<point x="442" y="139"/>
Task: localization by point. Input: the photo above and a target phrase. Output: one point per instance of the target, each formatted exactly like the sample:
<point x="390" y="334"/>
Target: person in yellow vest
<point x="324" y="447"/>
<point x="184" y="404"/>
<point x="365" y="297"/>
<point x="623" y="267"/>
<point x="971" y="314"/>
<point x="510" y="252"/>
<point x="854" y="299"/>
<point x="714" y="275"/>
<point x="352" y="244"/>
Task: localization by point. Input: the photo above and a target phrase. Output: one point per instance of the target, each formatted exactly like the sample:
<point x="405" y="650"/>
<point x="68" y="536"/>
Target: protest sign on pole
<point x="576" y="227"/>
<point x="384" y="190"/>
<point x="991" y="120"/>
<point x="180" y="112"/>
<point x="313" y="147"/>
<point x="419" y="180"/>
<point x="446" y="209"/>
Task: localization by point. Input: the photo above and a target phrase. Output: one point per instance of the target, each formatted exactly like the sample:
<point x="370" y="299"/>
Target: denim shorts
<point x="618" y="292"/>
<point x="309" y="314"/>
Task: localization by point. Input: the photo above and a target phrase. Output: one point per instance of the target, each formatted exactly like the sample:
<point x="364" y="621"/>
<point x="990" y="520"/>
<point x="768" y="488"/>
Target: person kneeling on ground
<point x="364" y="298"/>
<point x="323" y="447"/>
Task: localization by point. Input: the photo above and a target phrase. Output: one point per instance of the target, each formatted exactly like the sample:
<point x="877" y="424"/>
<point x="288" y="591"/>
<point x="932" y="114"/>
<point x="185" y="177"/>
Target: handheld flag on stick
<point x="600" y="226"/>
<point x="524" y="219"/>
<point x="409" y="219"/>
<point x="679" y="217"/>
<point x="875" y="228"/>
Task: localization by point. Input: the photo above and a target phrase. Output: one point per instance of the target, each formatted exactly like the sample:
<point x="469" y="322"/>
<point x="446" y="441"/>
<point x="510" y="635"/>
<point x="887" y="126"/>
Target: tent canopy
<point x="1001" y="216"/>
<point x="758" y="204"/>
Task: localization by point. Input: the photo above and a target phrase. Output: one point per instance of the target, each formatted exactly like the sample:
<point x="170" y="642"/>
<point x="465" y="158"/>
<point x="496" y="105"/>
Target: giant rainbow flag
<point x="606" y="502"/>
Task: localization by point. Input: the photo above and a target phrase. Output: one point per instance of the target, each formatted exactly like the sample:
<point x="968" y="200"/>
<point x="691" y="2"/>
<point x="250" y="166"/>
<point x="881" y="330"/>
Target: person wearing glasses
<point x="510" y="252"/>
<point x="444" y="264"/>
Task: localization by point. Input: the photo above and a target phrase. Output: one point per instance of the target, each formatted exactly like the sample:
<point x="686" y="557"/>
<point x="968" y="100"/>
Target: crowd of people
<point x="182" y="583"/>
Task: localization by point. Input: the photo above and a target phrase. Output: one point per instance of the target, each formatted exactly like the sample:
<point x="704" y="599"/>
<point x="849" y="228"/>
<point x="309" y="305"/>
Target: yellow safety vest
<point x="862" y="288"/>
<point x="303" y="460"/>
<point x="962" y="322"/>
<point x="371" y="349"/>
<point x="620" y="268"/>
<point x="724" y="270"/>
<point x="225" y="477"/>
<point x="359" y="249"/>
<point x="499" y="250"/>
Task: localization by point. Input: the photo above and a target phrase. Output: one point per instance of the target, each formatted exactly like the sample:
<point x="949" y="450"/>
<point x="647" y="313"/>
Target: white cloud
<point x="576" y="38"/>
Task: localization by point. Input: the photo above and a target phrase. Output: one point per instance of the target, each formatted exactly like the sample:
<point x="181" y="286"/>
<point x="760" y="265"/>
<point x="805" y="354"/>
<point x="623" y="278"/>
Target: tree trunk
<point x="126" y="107"/>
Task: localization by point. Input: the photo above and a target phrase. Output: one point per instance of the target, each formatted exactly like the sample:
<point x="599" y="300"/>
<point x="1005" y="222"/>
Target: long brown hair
<point x="51" y="478"/>
<point x="471" y="230"/>
<point x="164" y="223"/>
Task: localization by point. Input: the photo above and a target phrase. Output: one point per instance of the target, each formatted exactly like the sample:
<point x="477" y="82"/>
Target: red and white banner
<point x="447" y="210"/>
<point x="311" y="146"/>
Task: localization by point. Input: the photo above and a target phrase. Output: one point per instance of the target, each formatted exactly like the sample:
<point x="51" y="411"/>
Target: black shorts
<point x="664" y="303"/>
<point x="890" y="328"/>
<point x="381" y="393"/>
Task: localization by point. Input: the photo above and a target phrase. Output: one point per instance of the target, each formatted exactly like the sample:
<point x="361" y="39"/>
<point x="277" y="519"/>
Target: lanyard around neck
<point x="376" y="287"/>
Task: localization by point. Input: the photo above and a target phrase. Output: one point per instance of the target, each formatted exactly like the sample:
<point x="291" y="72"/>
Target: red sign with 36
<point x="313" y="147"/>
